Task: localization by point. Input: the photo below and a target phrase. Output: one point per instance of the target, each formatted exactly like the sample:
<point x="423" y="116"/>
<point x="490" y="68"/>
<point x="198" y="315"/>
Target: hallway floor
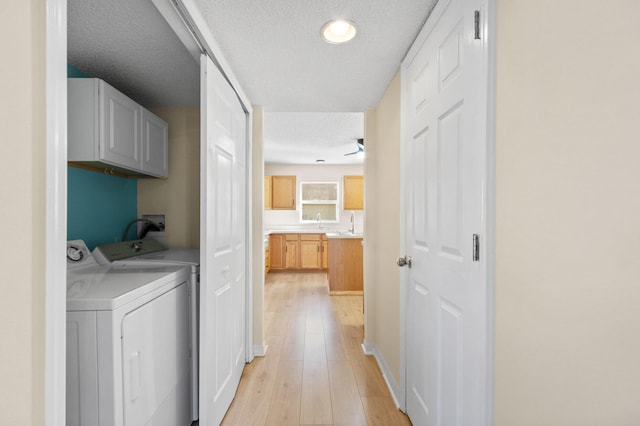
<point x="314" y="371"/>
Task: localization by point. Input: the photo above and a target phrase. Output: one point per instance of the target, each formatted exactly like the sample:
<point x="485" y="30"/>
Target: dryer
<point x="149" y="251"/>
<point x="127" y="343"/>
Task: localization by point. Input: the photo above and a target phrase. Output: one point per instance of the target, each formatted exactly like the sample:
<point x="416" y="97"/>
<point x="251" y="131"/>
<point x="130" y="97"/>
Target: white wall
<point x="290" y="219"/>
<point x="567" y="348"/>
<point x="22" y="212"/>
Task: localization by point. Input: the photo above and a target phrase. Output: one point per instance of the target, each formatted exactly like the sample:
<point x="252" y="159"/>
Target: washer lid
<point x="104" y="288"/>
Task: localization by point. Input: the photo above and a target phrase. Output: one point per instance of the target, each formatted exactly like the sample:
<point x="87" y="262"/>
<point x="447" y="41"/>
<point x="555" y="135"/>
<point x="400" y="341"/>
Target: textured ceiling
<point x="129" y="44"/>
<point x="274" y="49"/>
<point x="304" y="137"/>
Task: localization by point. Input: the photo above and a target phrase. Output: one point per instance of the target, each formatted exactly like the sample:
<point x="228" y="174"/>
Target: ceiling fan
<point x="360" y="145"/>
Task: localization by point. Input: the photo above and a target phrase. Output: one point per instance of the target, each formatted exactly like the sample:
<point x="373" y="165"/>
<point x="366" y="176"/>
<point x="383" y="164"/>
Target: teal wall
<point x="73" y="72"/>
<point x="99" y="206"/>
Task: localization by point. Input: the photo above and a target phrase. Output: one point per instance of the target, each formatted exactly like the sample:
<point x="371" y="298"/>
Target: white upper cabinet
<point x="155" y="144"/>
<point x="120" y="131"/>
<point x="109" y="130"/>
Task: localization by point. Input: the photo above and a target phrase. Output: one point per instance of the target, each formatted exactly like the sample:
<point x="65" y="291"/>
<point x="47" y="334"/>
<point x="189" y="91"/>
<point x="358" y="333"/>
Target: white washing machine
<point x="150" y="252"/>
<point x="127" y="343"/>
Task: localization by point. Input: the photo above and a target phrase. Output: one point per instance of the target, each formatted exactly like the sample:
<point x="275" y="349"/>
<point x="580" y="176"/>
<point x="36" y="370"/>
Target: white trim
<point x="489" y="37"/>
<point x="249" y="348"/>
<point x="260" y="350"/>
<point x="169" y="10"/>
<point x="394" y="389"/>
<point x="56" y="213"/>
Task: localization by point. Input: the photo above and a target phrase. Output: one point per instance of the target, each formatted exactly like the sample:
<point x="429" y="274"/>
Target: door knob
<point x="402" y="261"/>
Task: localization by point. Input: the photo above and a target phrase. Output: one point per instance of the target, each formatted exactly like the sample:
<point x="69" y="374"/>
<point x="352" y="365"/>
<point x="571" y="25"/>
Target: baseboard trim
<point x="260" y="350"/>
<point x="372" y="350"/>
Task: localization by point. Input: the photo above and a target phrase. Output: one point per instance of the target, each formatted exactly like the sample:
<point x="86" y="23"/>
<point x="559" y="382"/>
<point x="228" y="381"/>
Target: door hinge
<point x="477" y="24"/>
<point x="476" y="248"/>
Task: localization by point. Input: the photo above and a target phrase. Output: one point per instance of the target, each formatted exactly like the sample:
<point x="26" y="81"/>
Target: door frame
<point x="55" y="285"/>
<point x="56" y="193"/>
<point x="487" y="246"/>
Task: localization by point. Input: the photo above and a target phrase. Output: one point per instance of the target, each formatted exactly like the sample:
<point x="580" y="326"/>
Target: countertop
<point x="329" y="234"/>
<point x="343" y="234"/>
<point x="295" y="231"/>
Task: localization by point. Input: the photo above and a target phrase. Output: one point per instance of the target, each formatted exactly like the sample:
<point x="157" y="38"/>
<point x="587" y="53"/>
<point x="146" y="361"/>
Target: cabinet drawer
<point x="291" y="237"/>
<point x="310" y="237"/>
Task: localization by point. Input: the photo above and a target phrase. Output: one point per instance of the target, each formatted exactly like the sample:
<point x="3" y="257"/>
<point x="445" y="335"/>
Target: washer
<point x="127" y="342"/>
<point x="151" y="252"/>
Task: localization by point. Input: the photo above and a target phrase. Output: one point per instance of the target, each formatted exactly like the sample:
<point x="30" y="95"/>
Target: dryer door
<point x="155" y="361"/>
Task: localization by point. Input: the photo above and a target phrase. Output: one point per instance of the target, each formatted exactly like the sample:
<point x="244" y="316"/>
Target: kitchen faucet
<point x="353" y="222"/>
<point x="319" y="220"/>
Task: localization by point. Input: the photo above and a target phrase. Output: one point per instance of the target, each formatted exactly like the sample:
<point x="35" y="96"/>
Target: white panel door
<point x="120" y="139"/>
<point x="444" y="99"/>
<point x="222" y="246"/>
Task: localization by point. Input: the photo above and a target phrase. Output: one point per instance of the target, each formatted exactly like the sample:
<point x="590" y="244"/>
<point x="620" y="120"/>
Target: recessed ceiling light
<point x="338" y="31"/>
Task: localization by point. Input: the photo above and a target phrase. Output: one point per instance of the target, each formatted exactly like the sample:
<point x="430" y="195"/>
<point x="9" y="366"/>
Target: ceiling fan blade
<point x="359" y="145"/>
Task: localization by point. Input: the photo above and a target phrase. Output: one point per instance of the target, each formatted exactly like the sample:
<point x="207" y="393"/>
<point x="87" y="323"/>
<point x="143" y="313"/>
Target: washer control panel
<point x="105" y="254"/>
<point x="78" y="254"/>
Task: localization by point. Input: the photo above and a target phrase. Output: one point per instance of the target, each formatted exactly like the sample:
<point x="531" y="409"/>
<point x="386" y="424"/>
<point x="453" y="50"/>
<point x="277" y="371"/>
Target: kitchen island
<point x="345" y="271"/>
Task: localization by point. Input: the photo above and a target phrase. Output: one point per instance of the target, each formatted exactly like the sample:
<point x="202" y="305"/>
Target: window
<point x="319" y="202"/>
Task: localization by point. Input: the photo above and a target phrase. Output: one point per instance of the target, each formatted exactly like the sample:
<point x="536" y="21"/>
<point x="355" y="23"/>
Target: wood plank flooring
<point x="314" y="372"/>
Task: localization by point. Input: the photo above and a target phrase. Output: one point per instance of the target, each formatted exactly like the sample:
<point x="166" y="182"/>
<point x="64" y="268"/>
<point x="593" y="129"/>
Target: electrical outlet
<point x="158" y="219"/>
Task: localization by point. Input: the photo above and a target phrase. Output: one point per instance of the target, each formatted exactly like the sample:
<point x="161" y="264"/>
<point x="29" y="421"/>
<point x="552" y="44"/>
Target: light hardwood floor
<point x="314" y="371"/>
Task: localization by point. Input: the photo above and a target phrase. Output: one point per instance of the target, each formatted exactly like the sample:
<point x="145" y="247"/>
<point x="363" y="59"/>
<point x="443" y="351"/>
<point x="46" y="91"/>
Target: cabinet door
<point x="325" y="253"/>
<point x="155" y="145"/>
<point x="291" y="255"/>
<point x="267" y="260"/>
<point x="353" y="193"/>
<point x="120" y="133"/>
<point x="310" y="254"/>
<point x="267" y="192"/>
<point x="283" y="192"/>
<point x="276" y="251"/>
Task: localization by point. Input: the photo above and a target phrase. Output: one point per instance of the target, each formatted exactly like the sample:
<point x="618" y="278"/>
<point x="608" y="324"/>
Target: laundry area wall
<point x="99" y="206"/>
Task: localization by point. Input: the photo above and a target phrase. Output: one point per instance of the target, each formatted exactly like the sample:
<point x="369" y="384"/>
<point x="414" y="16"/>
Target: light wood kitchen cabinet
<point x="325" y="252"/>
<point x="267" y="192"/>
<point x="345" y="266"/>
<point x="283" y="192"/>
<point x="276" y="251"/>
<point x="291" y="251"/>
<point x="353" y="193"/>
<point x="108" y="130"/>
<point x="310" y="251"/>
<point x="267" y="258"/>
<point x="298" y="251"/>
